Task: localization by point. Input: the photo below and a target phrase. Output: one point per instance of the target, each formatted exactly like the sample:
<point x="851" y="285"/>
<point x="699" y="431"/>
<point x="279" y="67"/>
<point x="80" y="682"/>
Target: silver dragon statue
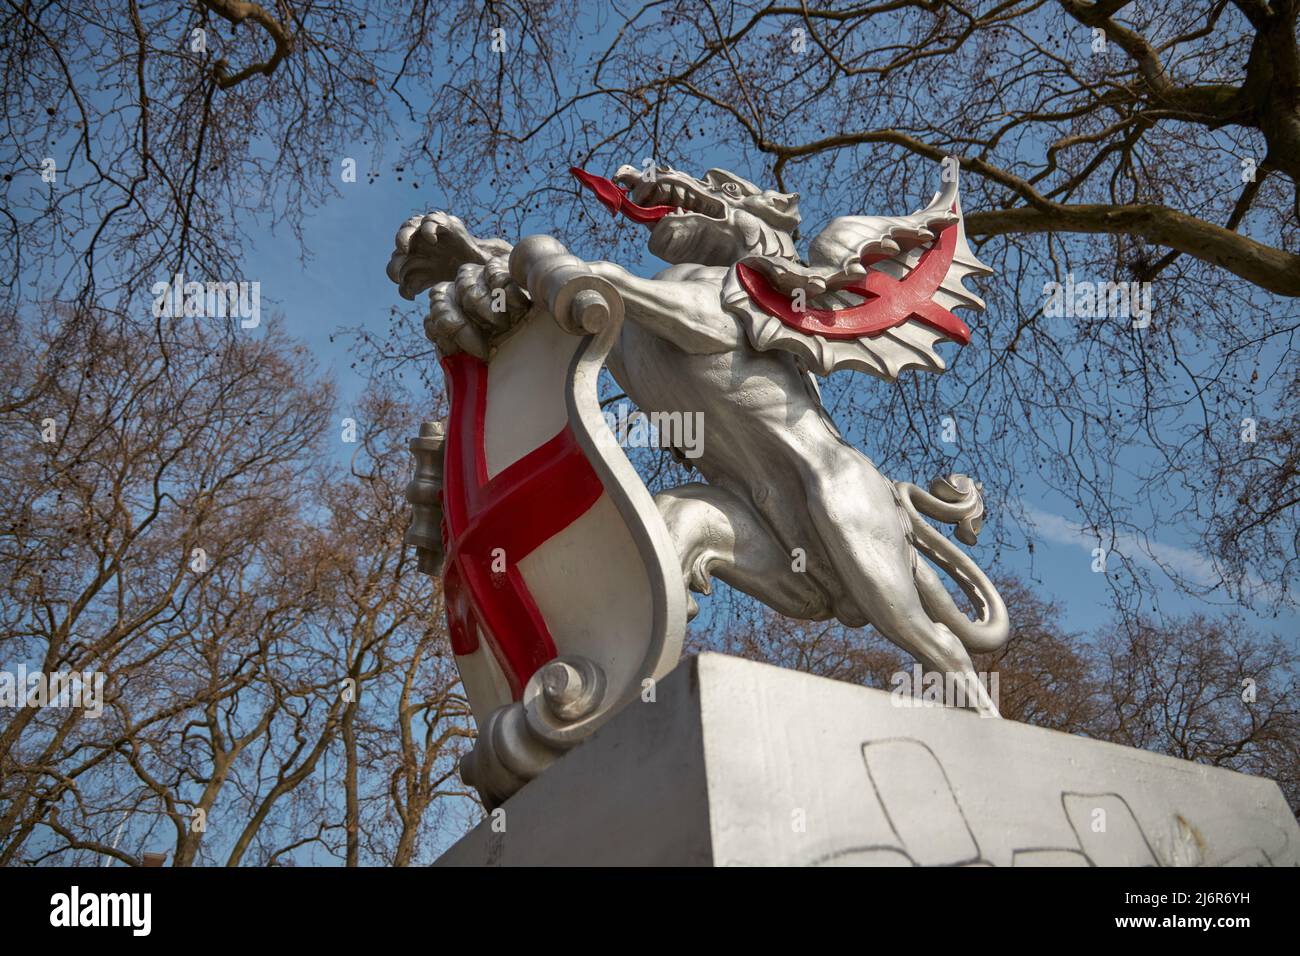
<point x="738" y="328"/>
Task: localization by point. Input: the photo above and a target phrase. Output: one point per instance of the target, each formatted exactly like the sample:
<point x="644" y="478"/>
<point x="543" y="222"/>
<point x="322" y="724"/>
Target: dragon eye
<point x="731" y="189"/>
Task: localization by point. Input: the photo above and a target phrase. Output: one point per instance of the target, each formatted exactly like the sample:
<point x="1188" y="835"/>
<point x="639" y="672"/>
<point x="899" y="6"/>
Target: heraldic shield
<point x="562" y="587"/>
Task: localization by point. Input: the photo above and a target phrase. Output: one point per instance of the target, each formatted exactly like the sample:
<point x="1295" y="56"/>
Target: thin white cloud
<point x="1184" y="562"/>
<point x="1170" y="559"/>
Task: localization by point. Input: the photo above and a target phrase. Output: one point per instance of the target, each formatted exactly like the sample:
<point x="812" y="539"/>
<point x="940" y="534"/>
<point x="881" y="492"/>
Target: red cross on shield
<point x="554" y="546"/>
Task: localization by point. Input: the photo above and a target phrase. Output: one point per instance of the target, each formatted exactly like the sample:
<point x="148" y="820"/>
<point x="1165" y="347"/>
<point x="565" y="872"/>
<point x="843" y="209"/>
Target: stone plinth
<point x="737" y="763"/>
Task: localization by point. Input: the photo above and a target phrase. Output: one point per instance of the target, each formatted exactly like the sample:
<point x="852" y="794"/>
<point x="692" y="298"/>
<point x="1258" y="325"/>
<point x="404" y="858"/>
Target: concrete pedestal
<point x="737" y="763"/>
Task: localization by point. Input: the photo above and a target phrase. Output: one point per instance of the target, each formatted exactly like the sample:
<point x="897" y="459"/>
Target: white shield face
<point x="554" y="545"/>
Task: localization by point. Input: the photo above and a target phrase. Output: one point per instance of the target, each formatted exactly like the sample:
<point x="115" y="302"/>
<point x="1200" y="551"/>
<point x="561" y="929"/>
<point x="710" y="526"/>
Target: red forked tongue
<point x="614" y="198"/>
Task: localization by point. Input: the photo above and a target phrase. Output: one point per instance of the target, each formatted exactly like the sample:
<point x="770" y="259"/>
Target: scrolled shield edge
<point x="566" y="699"/>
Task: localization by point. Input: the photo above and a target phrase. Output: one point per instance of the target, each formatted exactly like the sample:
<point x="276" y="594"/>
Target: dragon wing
<point x="877" y="293"/>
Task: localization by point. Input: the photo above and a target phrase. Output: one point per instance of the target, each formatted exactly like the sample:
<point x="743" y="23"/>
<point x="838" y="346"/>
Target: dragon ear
<point x="785" y="206"/>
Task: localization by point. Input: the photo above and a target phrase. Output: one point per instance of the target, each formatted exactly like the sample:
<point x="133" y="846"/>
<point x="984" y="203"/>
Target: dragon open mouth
<point x="655" y="199"/>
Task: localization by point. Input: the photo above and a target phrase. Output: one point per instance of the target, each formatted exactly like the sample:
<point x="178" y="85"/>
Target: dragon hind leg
<point x="865" y="536"/>
<point x="719" y="534"/>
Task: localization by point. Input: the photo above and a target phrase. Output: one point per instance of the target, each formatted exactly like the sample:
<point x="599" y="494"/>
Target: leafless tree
<point x="1104" y="142"/>
<point x="1208" y="691"/>
<point x="1107" y="142"/>
<point x="172" y="521"/>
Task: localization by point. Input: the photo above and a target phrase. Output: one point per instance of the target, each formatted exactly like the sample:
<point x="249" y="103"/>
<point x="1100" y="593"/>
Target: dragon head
<point x="713" y="221"/>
